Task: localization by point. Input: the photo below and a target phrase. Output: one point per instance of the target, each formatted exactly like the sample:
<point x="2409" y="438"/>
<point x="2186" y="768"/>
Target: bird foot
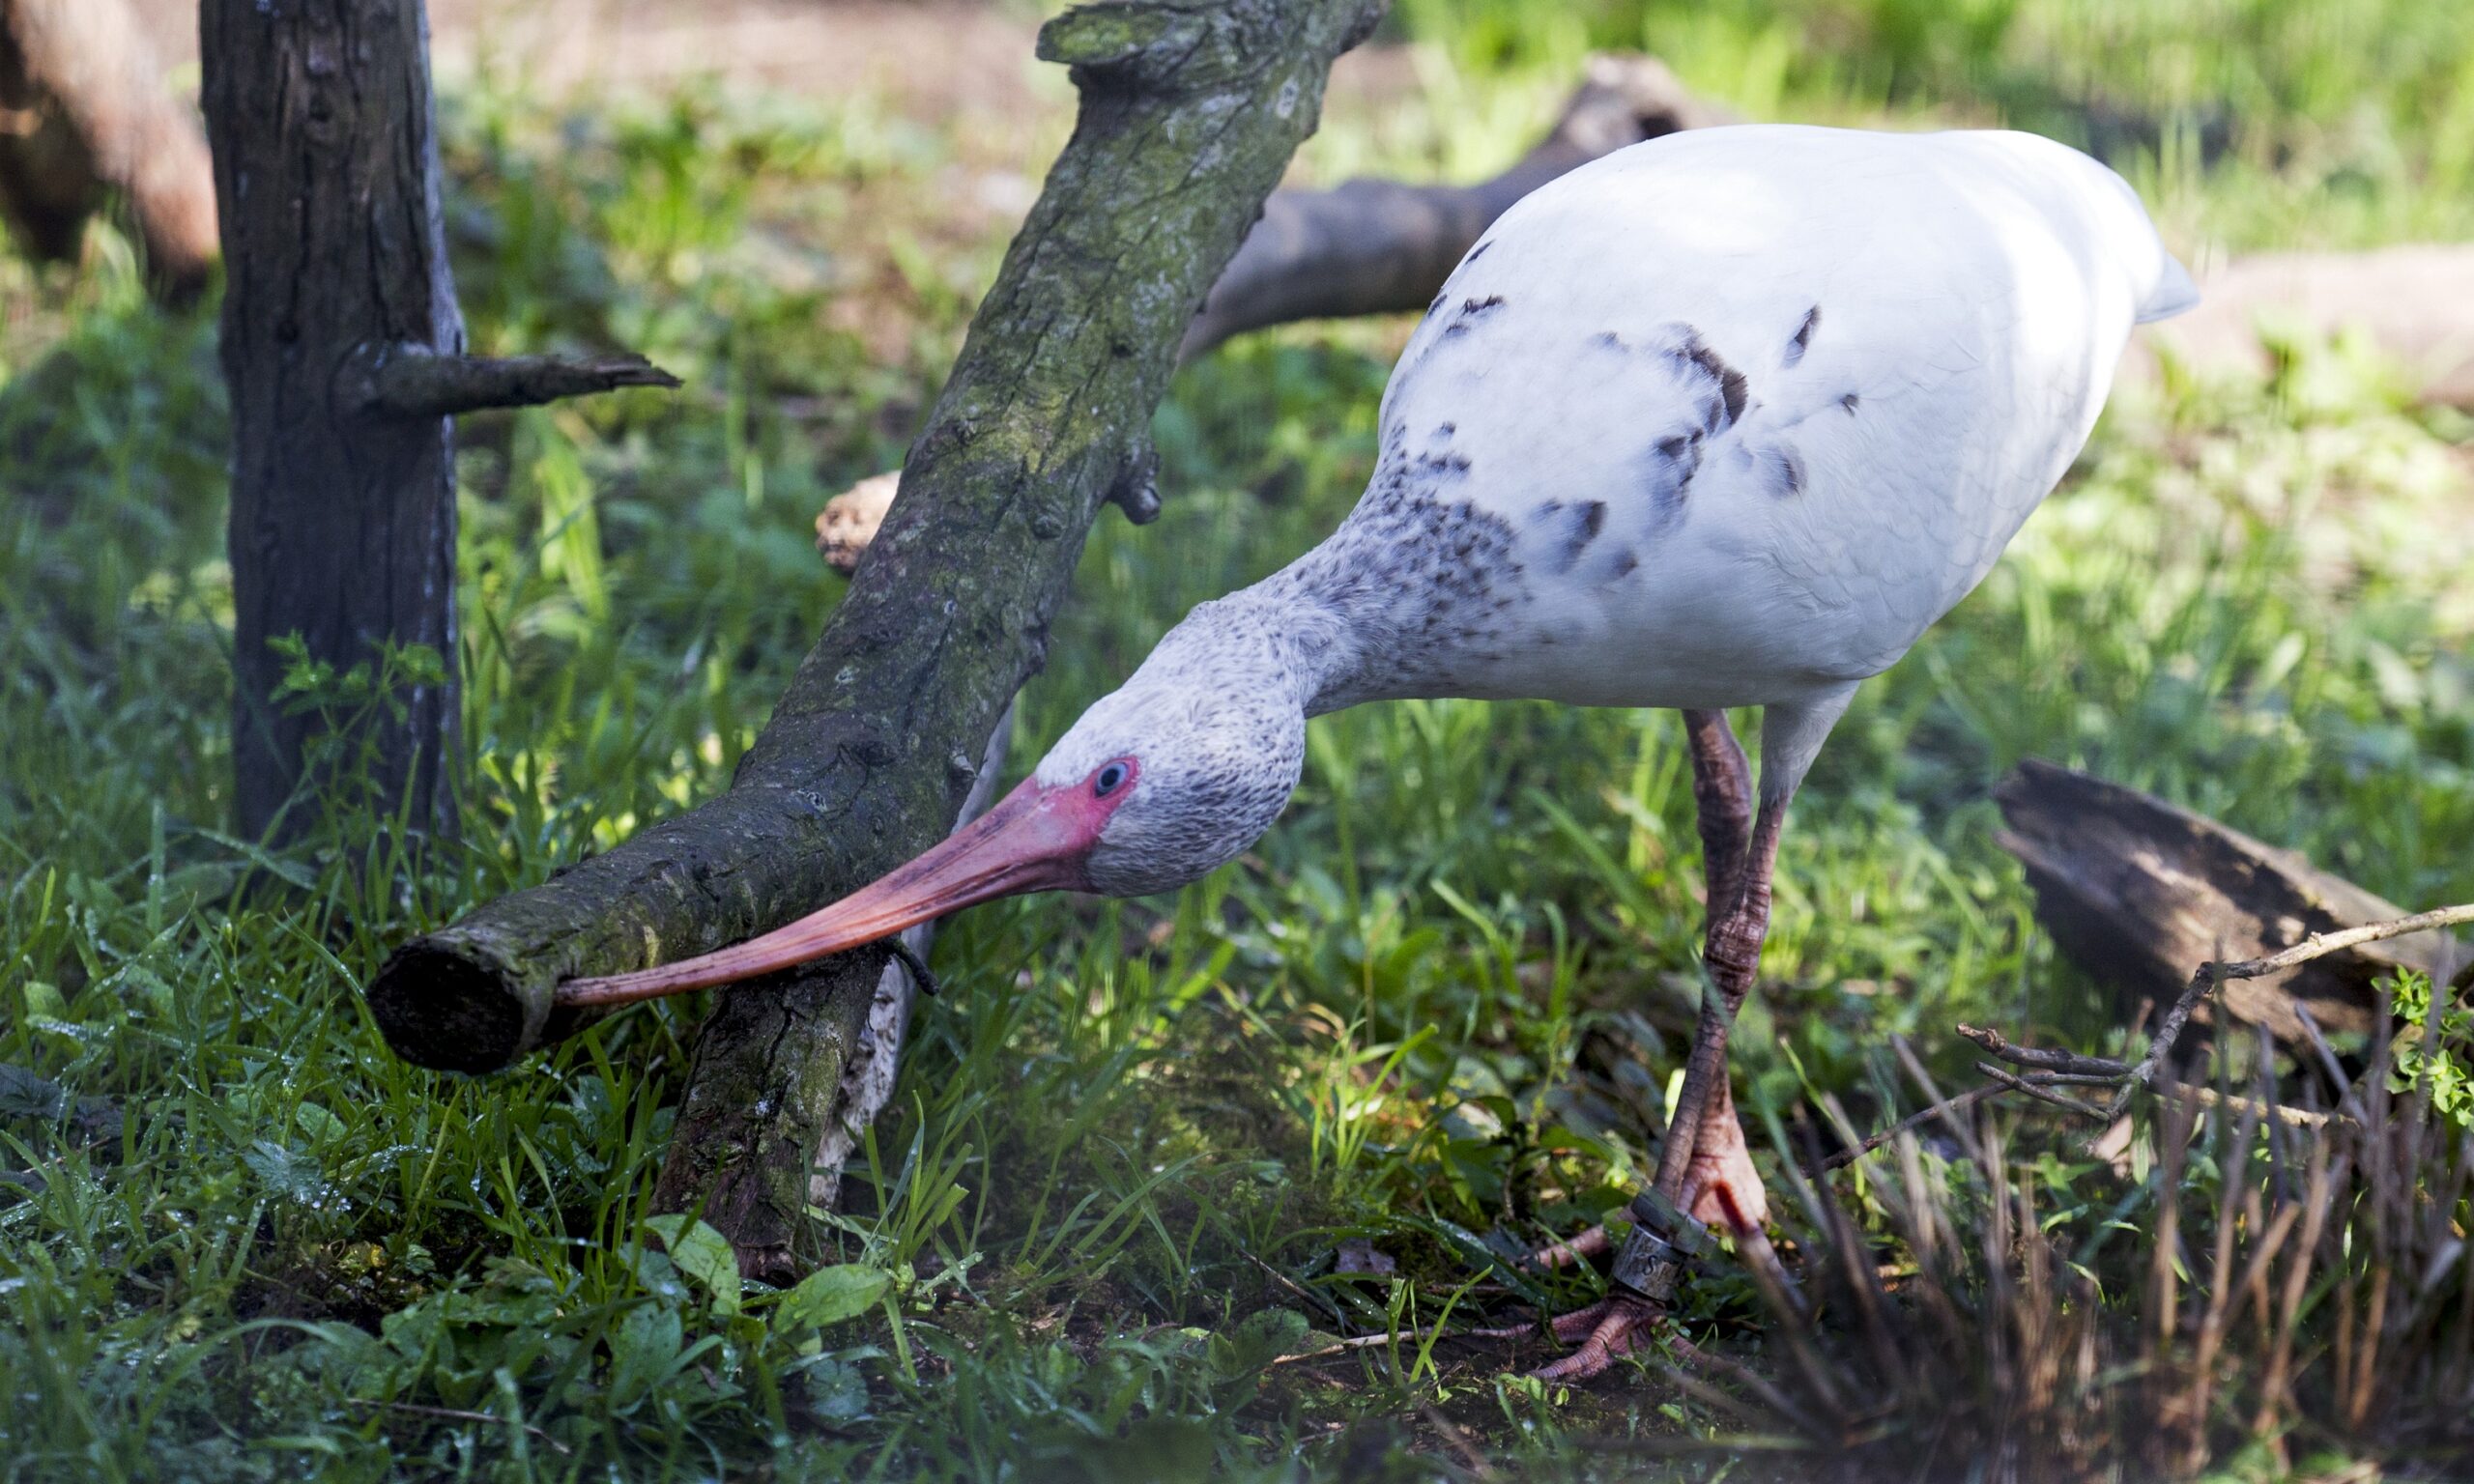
<point x="1604" y="1332"/>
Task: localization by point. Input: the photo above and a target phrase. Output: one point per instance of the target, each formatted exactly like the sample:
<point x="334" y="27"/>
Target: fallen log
<point x="1383" y="247"/>
<point x="2135" y="891"/>
<point x="1188" y="116"/>
<point x="83" y="112"/>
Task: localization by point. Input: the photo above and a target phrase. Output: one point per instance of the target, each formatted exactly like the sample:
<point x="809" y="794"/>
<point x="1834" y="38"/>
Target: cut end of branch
<point x="439" y="1006"/>
<point x="410" y="382"/>
<point x="849" y="520"/>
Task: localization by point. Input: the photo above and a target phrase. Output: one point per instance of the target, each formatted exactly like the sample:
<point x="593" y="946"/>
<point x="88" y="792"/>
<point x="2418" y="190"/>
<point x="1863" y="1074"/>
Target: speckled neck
<point x="1416" y="583"/>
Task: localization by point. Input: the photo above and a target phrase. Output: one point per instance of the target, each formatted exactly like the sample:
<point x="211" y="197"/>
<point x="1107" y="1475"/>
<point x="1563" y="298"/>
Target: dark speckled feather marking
<point x="1443" y="574"/>
<point x="1732" y="388"/>
<point x="1804" y="337"/>
<point x="1471" y="311"/>
<point x="1849" y="402"/>
<point x="1479" y="251"/>
<point x="1782" y="470"/>
<point x="1568" y="529"/>
<point x="1667" y="477"/>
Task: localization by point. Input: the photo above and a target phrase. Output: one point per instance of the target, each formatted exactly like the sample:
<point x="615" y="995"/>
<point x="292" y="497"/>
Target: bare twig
<point x="1915" y="1120"/>
<point x="2041" y="1058"/>
<point x="2236" y="1103"/>
<point x="2040" y="1091"/>
<point x="2321" y="944"/>
<point x="2209" y="976"/>
<point x="461" y="1415"/>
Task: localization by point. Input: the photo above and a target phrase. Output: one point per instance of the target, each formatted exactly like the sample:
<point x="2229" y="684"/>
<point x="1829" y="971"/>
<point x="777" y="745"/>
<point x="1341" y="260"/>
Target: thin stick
<point x="2211" y="975"/>
<point x="460" y="1415"/>
<point x="2043" y="1058"/>
<point x="2210" y="1098"/>
<point x="2321" y="944"/>
<point x="2039" y="1092"/>
<point x="1847" y="1157"/>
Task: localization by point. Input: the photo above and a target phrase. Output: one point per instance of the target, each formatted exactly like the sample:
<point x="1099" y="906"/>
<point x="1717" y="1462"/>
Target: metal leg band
<point x="1664" y="1243"/>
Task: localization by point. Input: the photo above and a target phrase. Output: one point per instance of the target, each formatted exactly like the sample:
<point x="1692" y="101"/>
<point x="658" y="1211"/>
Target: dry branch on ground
<point x="2125" y="881"/>
<point x="2135" y="891"/>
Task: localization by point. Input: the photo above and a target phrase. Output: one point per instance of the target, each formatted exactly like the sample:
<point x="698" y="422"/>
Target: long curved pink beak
<point x="1035" y="838"/>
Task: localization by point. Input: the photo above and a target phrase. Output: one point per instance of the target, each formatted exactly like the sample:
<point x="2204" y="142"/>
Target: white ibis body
<point x="1727" y="418"/>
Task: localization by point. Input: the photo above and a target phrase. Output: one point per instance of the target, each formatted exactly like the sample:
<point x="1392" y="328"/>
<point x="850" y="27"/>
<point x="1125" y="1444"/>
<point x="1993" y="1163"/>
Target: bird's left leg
<point x="1722" y="808"/>
<point x="1705" y="1167"/>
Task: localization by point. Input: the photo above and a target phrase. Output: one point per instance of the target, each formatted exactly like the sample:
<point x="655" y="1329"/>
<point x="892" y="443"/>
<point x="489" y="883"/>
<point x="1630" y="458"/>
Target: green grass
<point x="1434" y="1012"/>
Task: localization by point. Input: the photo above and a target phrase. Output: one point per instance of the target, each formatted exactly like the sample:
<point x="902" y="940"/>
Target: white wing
<point x="1757" y="405"/>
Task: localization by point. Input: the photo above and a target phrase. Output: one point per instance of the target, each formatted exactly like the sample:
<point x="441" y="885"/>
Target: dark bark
<point x="343" y="525"/>
<point x="1189" y="113"/>
<point x="86" y="113"/>
<point x="2136" y="891"/>
<point x="1384" y="247"/>
<point x="343" y="349"/>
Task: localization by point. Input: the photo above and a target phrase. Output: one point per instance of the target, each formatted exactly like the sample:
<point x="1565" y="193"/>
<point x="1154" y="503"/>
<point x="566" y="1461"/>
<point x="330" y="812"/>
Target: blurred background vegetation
<point x="1142" y="1149"/>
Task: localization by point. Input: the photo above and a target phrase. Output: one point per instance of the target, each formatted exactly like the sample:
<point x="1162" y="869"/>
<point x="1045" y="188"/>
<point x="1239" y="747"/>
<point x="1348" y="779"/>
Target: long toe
<point x="1583" y="1247"/>
<point x="1623" y="1325"/>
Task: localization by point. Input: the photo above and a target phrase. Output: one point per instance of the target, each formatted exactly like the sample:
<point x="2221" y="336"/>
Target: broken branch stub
<point x="414" y="380"/>
<point x="2135" y="891"/>
<point x="1188" y="116"/>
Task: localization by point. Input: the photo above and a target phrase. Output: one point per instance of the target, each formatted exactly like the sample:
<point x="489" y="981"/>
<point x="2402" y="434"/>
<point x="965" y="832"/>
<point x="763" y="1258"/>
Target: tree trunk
<point x="1188" y="117"/>
<point x="343" y="349"/>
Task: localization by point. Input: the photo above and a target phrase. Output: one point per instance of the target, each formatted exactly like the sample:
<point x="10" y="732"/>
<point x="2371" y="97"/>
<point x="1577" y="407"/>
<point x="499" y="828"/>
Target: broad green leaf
<point x="703" y="1254"/>
<point x="830" y="1295"/>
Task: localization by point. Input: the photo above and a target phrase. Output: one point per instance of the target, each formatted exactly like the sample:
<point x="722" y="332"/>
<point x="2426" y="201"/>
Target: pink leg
<point x="1704" y="1166"/>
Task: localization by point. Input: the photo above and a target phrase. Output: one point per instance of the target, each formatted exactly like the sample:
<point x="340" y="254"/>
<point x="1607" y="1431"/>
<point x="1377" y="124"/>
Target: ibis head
<point x="1159" y="784"/>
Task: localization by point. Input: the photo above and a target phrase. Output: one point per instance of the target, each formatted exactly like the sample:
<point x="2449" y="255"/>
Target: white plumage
<point x="1924" y="327"/>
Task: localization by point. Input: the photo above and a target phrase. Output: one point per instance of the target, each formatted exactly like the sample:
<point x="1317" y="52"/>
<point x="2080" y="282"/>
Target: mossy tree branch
<point x="1189" y="113"/>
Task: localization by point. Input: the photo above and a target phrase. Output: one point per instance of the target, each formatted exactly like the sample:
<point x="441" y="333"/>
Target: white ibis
<point x="1723" y="420"/>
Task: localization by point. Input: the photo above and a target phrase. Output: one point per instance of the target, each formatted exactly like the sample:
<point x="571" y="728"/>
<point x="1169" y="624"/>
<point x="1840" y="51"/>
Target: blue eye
<point x="1108" y="780"/>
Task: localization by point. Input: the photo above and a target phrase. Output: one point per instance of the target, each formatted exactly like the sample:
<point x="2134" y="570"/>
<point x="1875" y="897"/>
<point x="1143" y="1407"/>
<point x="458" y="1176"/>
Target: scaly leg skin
<point x="1717" y="1185"/>
<point x="1721" y="1190"/>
